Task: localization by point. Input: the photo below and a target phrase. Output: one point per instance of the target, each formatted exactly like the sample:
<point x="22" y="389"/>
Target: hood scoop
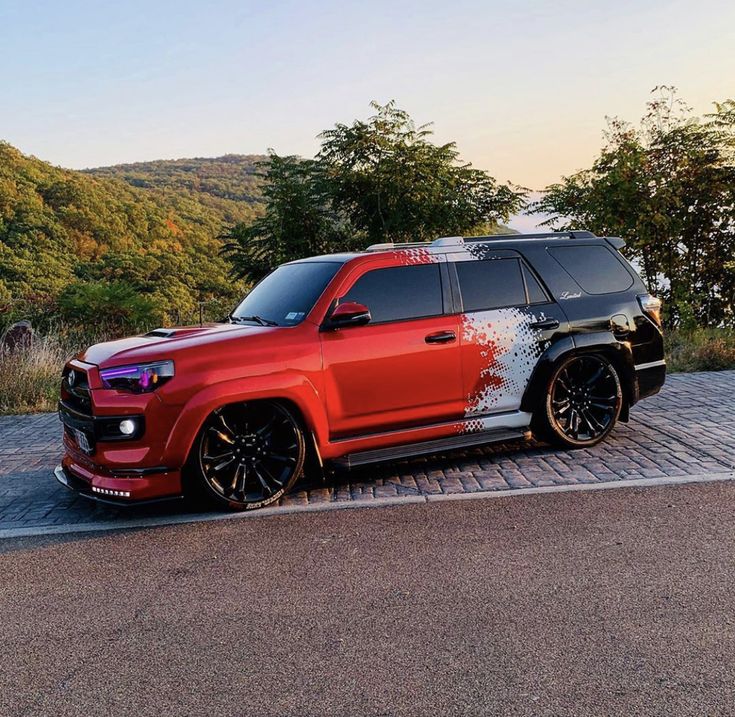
<point x="162" y="333"/>
<point x="178" y="332"/>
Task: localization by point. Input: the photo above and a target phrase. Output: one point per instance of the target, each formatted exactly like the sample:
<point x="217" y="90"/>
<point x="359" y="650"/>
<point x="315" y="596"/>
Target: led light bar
<point x="107" y="491"/>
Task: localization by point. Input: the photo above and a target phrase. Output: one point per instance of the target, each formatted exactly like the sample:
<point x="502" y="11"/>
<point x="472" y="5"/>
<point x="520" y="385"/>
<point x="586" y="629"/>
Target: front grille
<point x="76" y="395"/>
<point x="79" y="427"/>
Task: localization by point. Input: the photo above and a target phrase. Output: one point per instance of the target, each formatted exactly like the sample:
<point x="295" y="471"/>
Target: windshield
<point x="288" y="294"/>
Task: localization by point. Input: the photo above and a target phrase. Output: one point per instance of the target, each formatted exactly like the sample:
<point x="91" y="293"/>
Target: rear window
<point x="595" y="268"/>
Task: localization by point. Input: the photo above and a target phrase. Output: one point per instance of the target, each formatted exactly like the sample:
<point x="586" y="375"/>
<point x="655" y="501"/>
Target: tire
<point x="582" y="402"/>
<point x="248" y="455"/>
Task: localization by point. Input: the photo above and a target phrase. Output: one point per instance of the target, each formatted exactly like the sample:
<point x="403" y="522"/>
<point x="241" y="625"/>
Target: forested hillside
<point x="227" y="185"/>
<point x="141" y="239"/>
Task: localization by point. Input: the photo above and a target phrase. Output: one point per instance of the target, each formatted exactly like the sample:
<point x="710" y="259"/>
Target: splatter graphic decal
<point x="500" y="347"/>
<point x="411" y="257"/>
<point x="501" y="350"/>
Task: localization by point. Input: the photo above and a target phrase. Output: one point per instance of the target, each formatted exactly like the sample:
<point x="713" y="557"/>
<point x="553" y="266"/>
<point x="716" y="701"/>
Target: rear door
<point x="403" y="368"/>
<point x="508" y="320"/>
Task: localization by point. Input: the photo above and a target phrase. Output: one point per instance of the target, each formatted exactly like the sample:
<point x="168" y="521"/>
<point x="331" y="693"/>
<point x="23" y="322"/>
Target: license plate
<point x="82" y="441"/>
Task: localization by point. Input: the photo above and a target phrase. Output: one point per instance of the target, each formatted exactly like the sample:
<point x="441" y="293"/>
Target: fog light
<point x="127" y="427"/>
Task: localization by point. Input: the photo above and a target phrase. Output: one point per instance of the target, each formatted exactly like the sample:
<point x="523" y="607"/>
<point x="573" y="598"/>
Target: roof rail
<point x="448" y="241"/>
<point x="583" y="234"/>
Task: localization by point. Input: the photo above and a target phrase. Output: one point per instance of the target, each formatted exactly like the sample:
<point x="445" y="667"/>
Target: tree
<point x="668" y="188"/>
<point x="395" y="185"/>
<point x="299" y="220"/>
<point x="374" y="181"/>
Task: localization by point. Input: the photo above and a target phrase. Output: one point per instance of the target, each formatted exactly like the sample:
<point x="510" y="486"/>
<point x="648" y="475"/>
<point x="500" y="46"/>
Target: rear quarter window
<point x="595" y="268"/>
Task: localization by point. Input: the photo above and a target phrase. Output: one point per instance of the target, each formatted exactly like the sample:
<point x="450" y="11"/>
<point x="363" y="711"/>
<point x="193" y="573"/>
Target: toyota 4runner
<point x="348" y="359"/>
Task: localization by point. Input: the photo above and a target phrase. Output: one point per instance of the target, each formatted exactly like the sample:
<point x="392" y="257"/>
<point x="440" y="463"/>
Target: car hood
<point x="165" y="343"/>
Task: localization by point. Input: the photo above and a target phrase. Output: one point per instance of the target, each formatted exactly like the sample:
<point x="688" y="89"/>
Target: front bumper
<point x="148" y="486"/>
<point x="99" y="461"/>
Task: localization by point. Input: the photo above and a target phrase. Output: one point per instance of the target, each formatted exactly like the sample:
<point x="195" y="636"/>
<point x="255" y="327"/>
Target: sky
<point x="522" y="86"/>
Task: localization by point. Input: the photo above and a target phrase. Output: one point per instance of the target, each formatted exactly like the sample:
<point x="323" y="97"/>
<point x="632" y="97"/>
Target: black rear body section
<point x="596" y="290"/>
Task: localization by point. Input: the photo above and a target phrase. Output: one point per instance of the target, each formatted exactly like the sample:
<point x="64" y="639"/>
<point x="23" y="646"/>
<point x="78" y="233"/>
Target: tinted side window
<point x="401" y="292"/>
<point x="536" y="294"/>
<point x="490" y="284"/>
<point x="595" y="268"/>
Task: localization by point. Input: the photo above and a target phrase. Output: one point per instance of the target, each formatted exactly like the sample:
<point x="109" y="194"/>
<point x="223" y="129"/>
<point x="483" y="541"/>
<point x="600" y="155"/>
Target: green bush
<point x="115" y="305"/>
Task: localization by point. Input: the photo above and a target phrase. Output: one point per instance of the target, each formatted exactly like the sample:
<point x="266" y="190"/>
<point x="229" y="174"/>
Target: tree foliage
<point x="378" y="180"/>
<point x="299" y="220"/>
<point x="668" y="188"/>
<point x="226" y="188"/>
<point x="394" y="184"/>
<point x="113" y="306"/>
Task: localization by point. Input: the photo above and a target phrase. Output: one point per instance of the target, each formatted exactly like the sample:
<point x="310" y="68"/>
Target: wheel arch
<point x="604" y="343"/>
<point x="297" y="394"/>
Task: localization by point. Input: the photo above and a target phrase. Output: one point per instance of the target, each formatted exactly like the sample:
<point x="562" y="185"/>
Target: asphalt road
<point x="604" y="603"/>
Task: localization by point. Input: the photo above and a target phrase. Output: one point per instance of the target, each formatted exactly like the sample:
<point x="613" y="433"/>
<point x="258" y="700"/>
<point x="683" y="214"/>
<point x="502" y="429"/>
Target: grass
<point x="700" y="350"/>
<point x="29" y="378"/>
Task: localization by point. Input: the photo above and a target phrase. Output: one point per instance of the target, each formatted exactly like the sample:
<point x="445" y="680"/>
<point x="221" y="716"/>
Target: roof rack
<point x="541" y="235"/>
<point x="458" y="241"/>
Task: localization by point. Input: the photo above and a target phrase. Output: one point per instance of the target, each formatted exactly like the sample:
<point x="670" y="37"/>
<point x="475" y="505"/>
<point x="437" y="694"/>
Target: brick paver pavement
<point x="688" y="429"/>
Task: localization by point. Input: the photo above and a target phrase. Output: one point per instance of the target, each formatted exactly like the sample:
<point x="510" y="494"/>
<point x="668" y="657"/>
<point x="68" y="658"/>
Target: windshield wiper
<point x="257" y="319"/>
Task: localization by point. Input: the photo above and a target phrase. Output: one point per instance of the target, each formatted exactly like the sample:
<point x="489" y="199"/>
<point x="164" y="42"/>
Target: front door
<point x="403" y="368"/>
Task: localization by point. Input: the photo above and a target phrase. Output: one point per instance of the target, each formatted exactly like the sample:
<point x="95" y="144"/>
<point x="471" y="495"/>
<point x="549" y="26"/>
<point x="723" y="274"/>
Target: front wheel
<point x="250" y="454"/>
<point x="582" y="402"/>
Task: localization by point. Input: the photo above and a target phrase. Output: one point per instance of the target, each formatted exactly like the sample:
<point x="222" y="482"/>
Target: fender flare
<point x="604" y="342"/>
<point x="290" y="387"/>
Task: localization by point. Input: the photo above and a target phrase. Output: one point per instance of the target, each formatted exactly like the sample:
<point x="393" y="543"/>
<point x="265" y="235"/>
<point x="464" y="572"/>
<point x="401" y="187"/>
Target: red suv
<point x="354" y="358"/>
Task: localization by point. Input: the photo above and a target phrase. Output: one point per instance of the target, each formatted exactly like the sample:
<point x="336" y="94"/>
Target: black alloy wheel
<point x="250" y="454"/>
<point x="583" y="401"/>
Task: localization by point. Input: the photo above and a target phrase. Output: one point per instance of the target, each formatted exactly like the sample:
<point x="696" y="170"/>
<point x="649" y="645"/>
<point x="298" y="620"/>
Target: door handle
<point x="442" y="337"/>
<point x="545" y="324"/>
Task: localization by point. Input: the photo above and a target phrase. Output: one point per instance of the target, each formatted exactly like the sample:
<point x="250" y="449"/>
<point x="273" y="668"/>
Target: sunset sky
<point x="523" y="87"/>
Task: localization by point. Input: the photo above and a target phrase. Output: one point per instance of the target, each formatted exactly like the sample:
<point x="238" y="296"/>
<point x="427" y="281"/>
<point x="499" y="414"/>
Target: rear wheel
<point x="250" y="454"/>
<point x="582" y="403"/>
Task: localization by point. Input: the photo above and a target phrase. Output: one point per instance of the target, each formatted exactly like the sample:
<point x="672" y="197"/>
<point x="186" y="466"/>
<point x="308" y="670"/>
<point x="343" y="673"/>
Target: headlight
<point x="139" y="378"/>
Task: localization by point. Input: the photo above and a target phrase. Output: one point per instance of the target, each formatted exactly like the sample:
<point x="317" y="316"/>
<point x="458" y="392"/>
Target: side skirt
<point x="438" y="445"/>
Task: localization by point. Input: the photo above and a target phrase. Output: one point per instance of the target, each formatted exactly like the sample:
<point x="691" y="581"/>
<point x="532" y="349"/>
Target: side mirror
<point x="349" y="314"/>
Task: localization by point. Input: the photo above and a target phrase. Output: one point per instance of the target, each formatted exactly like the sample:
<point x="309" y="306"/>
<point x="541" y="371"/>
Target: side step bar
<point x="438" y="445"/>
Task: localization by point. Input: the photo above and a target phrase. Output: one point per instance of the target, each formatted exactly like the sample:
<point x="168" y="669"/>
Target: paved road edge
<point x="154" y="522"/>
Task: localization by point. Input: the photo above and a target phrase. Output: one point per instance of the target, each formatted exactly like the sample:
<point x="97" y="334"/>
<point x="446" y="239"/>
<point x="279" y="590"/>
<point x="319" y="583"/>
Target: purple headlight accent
<point x="119" y="372"/>
<point x="138" y="378"/>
